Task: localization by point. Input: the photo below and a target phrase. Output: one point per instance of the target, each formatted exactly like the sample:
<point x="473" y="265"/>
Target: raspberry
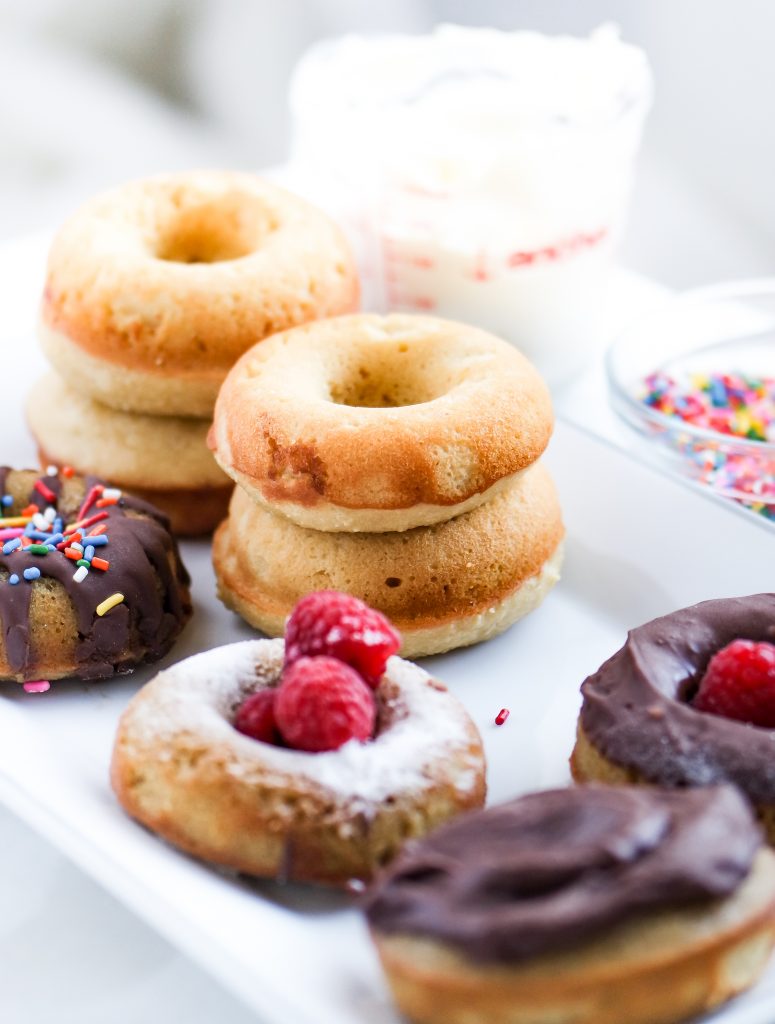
<point x="739" y="683"/>
<point x="322" y="703"/>
<point x="340" y="626"/>
<point x="255" y="716"/>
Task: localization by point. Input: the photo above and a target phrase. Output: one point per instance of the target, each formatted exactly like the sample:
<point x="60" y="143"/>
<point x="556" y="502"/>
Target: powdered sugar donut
<point x="181" y="769"/>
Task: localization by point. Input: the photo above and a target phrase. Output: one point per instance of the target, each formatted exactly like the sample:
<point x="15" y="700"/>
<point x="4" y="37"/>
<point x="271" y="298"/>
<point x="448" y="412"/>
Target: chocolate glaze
<point x="144" y="566"/>
<point x="636" y="711"/>
<point x="548" y="871"/>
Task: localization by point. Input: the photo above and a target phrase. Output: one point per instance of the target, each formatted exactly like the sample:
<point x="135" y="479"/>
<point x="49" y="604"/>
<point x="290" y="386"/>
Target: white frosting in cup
<point x="482" y="175"/>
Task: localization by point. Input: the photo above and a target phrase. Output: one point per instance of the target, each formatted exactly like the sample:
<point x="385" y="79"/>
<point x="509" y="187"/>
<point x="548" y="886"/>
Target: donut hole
<point x="686" y="690"/>
<point x="389" y="375"/>
<point x="214" y="230"/>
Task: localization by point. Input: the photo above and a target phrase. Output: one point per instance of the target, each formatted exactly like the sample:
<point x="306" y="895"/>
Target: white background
<point x="95" y="91"/>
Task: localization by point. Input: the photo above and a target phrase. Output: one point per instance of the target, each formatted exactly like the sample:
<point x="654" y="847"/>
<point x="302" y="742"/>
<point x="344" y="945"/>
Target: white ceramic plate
<point x="639" y="545"/>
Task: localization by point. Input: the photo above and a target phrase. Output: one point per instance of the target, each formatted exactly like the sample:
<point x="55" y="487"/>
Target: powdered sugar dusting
<point x="424" y="733"/>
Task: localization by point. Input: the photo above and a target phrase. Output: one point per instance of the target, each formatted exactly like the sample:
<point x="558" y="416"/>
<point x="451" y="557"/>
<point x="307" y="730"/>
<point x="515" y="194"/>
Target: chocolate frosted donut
<point x="599" y="904"/>
<point x="553" y="869"/>
<point x="636" y="722"/>
<point x="120" y="600"/>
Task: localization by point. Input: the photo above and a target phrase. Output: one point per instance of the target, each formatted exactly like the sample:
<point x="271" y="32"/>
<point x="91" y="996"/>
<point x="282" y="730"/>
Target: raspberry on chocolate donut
<point x="687" y="701"/>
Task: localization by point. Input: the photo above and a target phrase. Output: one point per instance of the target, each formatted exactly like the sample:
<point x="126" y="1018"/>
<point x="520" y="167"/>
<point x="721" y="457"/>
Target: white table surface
<point x="70" y="952"/>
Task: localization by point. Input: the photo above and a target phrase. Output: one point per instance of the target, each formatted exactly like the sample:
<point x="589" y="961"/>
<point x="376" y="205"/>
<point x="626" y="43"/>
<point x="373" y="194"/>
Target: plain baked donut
<point x="155" y="288"/>
<point x="181" y="769"/>
<point x="370" y="423"/>
<point x="442" y="586"/>
<point x="163" y="459"/>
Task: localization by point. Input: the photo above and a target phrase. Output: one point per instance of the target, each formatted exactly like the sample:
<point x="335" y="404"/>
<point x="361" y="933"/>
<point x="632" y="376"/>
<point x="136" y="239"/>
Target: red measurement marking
<point x="423" y="302"/>
<point x="522" y="259"/>
<point x="550" y="253"/>
<point x="480" y="272"/>
<point x="423" y="262"/>
<point x="502" y="715"/>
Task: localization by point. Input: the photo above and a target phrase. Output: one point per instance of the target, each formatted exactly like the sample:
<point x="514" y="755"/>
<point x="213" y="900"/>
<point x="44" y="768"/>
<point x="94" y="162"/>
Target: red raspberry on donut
<point x="322" y="703"/>
<point x="327" y="622"/>
<point x="739" y="683"/>
<point x="255" y="717"/>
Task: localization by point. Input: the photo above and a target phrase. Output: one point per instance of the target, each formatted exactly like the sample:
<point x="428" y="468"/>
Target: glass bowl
<point x="714" y="346"/>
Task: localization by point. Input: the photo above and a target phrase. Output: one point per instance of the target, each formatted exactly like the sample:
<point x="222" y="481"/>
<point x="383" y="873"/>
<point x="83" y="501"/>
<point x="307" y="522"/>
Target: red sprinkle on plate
<point x="37" y="686"/>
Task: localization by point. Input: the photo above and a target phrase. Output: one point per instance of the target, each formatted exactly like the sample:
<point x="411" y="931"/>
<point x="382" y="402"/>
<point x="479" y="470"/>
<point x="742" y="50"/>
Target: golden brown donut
<point x="370" y="423"/>
<point x="181" y="769"/>
<point x="442" y="586"/>
<point x="54" y="626"/>
<point x="155" y="288"/>
<point x="163" y="459"/>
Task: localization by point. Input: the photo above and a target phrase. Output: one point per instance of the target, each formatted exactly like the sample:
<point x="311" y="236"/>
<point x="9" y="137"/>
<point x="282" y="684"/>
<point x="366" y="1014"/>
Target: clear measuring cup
<point x="481" y="175"/>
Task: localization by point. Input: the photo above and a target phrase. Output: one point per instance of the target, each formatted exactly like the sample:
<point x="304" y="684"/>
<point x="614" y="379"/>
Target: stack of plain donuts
<point x="153" y="290"/>
<point x="395" y="458"/>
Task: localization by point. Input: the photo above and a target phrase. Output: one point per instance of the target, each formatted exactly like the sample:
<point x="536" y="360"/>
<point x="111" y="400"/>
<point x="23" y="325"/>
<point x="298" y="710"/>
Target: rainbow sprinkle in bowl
<point x="696" y="377"/>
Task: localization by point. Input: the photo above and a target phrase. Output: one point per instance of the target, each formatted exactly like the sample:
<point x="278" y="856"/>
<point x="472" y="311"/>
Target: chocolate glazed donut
<point x="590" y="905"/>
<point x="636" y="722"/>
<point x="552" y="869"/>
<point x="144" y="567"/>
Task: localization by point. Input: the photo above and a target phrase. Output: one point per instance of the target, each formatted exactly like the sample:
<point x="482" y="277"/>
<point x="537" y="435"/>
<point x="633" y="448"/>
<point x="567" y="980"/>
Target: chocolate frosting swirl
<point x="552" y="869"/>
<point x="636" y="709"/>
<point x="144" y="566"/>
